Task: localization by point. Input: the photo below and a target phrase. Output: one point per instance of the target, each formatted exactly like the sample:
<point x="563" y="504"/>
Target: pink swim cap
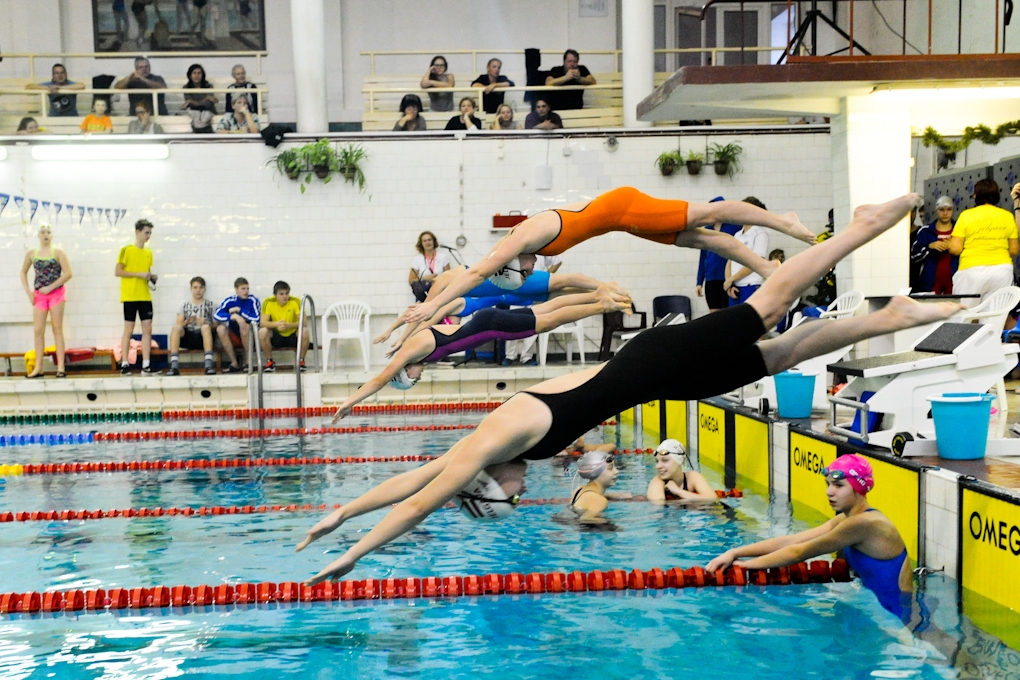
<point x="854" y="469"/>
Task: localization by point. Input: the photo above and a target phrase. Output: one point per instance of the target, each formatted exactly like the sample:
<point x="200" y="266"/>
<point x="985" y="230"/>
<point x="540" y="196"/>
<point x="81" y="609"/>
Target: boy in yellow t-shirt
<point x="134" y="267"/>
<point x="985" y="238"/>
<point x="97" y="121"/>
<point x="280" y="315"/>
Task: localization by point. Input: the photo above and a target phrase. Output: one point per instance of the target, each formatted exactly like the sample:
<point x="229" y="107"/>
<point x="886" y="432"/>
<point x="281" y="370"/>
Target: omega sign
<point x="1001" y="535"/>
<point x="808" y="460"/>
<point x="710" y="423"/>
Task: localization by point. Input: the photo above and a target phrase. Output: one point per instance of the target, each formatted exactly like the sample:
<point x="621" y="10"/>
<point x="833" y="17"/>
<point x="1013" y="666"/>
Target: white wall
<point x="220" y="214"/>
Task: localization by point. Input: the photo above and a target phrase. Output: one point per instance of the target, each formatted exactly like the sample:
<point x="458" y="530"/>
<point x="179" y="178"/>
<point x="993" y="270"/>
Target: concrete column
<point x="307" y="21"/>
<point x="871" y="164"/>
<point x="638" y="58"/>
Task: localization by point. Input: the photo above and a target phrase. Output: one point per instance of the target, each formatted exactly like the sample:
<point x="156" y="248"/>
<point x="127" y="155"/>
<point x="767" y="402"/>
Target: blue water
<point x="824" y="631"/>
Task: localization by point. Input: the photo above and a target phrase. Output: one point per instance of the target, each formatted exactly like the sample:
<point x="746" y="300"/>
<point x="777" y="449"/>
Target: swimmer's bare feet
<point x="879" y="217"/>
<point x="799" y="231"/>
<point x="907" y="313"/>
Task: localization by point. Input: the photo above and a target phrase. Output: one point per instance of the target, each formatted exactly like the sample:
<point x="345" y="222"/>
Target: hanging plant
<point x="349" y="163"/>
<point x="667" y="162"/>
<point x="287" y="163"/>
<point x="694" y="160"/>
<point x="726" y="158"/>
<point x="320" y="157"/>
<point x="981" y="133"/>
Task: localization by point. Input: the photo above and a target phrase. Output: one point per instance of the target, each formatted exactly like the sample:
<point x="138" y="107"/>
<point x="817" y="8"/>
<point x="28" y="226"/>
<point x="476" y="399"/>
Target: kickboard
<point x="947" y="337"/>
<point x="856" y="367"/>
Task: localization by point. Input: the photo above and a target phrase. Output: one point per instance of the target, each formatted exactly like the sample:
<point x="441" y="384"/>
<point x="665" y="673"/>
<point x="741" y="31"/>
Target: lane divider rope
<point x="219" y="510"/>
<point x="18" y="469"/>
<point x="514" y="583"/>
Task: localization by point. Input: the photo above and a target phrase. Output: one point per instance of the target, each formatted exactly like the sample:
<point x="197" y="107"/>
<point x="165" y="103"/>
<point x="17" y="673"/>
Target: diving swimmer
<point x="438" y="342"/>
<point x="624" y="209"/>
<point x="705" y="357"/>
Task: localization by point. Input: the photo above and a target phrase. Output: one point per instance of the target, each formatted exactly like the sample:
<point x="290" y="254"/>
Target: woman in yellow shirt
<point x="985" y="238"/>
<point x="97" y="121"/>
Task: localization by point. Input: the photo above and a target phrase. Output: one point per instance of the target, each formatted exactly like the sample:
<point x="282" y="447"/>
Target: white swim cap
<point x="673" y="449"/>
<point x="510" y="277"/>
<point x="484" y="498"/>
<point x="592" y="464"/>
<point x="402" y="381"/>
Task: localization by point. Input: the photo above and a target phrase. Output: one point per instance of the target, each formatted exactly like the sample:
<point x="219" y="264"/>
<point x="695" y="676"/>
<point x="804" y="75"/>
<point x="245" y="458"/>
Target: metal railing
<point x="63" y="56"/>
<point x="476" y="92"/>
<point x="372" y="54"/>
<point x="298" y="391"/>
<point x="44" y="95"/>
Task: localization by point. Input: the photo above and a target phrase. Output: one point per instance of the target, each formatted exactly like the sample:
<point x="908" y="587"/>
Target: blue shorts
<point x="745" y="292"/>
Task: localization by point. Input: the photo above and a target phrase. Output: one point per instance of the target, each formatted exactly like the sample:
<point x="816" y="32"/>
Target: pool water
<point x="820" y="630"/>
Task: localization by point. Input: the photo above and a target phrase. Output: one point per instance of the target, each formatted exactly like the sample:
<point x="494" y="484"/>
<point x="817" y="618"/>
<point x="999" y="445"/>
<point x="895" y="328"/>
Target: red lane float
<point x="225" y="595"/>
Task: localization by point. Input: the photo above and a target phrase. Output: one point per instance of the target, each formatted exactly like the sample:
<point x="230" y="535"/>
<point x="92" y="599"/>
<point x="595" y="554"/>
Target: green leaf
<point x="302" y="188"/>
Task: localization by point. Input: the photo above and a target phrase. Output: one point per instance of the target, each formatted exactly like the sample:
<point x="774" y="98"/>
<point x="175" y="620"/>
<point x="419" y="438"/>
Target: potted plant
<point x="667" y="162"/>
<point x="287" y="162"/>
<point x="694" y="161"/>
<point x="349" y="163"/>
<point x="321" y="158"/>
<point x="726" y="158"/>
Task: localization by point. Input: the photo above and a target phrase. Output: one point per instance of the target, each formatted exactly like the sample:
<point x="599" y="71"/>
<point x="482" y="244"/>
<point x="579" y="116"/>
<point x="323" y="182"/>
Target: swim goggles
<point x="838" y="475"/>
<point x="512" y="500"/>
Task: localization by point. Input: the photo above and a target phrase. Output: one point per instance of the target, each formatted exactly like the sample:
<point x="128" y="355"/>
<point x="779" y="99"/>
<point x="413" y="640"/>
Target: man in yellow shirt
<point x="134" y="267"/>
<point x="985" y="238"/>
<point x="280" y="315"/>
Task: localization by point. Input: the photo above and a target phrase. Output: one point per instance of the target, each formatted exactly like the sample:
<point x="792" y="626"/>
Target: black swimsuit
<point x="704" y="358"/>
<point x="485" y="325"/>
<point x="670" y="496"/>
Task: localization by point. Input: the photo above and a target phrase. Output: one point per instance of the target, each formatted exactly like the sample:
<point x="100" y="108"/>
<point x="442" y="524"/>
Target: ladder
<point x="296" y="390"/>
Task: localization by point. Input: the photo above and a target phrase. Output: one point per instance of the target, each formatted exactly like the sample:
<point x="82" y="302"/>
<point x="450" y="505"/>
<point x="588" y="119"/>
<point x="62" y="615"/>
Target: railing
<point x="62" y="56"/>
<point x="476" y="92"/>
<point x="299" y="393"/>
<point x="372" y="54"/>
<point x="714" y="52"/>
<point x="45" y="94"/>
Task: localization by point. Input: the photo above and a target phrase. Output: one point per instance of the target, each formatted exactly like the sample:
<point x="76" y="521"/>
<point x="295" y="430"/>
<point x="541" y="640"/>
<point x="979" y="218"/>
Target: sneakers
<point x="173" y="371"/>
<point x="530" y="362"/>
<point x="125" y="369"/>
<point x="232" y="369"/>
<point x="209" y="370"/>
<point x="302" y="366"/>
<point x="270" y="366"/>
<point x="508" y="362"/>
<point x="148" y="371"/>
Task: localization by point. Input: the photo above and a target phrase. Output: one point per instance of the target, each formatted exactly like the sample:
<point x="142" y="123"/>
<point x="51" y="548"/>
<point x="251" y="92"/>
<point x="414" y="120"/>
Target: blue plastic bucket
<point x="961" y="424"/>
<point x="794" y="391"/>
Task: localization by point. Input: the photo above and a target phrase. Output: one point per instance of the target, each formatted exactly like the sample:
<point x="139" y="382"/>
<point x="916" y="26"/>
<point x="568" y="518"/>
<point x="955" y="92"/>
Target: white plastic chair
<point x="993" y="311"/>
<point x="846" y="305"/>
<point x="352" y="321"/>
<point x="576" y="329"/>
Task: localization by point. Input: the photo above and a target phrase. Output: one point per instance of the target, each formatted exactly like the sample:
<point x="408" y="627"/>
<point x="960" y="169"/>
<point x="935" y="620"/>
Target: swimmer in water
<point x="670" y="222"/>
<point x="438" y="342"/>
<point x="703" y="358"/>
<point x="672" y="482"/>
<point x="591" y="500"/>
<point x="868" y="539"/>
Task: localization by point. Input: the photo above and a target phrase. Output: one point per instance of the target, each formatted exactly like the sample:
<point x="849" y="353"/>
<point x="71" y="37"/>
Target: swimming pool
<point x="827" y="631"/>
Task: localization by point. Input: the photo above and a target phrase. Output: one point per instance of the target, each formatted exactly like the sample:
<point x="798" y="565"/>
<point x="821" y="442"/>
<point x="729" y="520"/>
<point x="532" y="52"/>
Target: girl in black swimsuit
<point x="592" y="499"/>
<point x="706" y="357"/>
<point x="672" y="482"/>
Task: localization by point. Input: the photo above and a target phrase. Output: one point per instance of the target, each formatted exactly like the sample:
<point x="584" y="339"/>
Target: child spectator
<point x="28" y="126"/>
<point x="97" y="122"/>
<point x="193" y="329"/>
<point x="740" y="284"/>
<point x="930" y="251"/>
<point x="280" y="316"/>
<point x="143" y="124"/>
<point x="134" y="267"/>
<point x="234" y="316"/>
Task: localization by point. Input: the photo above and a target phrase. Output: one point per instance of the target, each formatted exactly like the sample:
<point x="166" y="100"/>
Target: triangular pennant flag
<point x="92" y="216"/>
<point x="107" y="213"/>
<point x="59" y="207"/>
<point x="46" y="207"/>
<point x="116" y="217"/>
<point x="81" y="214"/>
<point x="4" y="199"/>
<point x="20" y="202"/>
<point x="123" y="212"/>
<point x="33" y="206"/>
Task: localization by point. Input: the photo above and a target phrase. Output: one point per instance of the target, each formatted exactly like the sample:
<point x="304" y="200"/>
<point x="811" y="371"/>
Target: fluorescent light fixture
<point x="3" y="153"/>
<point x="948" y="93"/>
<point x="100" y="152"/>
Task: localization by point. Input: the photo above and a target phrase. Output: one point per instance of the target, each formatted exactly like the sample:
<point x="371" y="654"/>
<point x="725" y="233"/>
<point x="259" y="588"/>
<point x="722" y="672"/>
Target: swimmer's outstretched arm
<point x="391" y="491"/>
<point x="500" y="438"/>
<point x="834" y="535"/>
<point x="447" y="310"/>
<point x="394" y="326"/>
<point x="414" y="351"/>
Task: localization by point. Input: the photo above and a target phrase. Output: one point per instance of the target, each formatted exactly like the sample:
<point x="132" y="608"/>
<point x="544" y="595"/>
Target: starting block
<point x="952" y="357"/>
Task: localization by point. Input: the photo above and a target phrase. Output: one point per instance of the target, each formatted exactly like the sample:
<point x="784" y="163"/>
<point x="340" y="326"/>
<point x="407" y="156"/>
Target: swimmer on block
<point x="868" y="539"/>
<point x="706" y="357"/>
<point x="438" y="342"/>
<point x="625" y="209"/>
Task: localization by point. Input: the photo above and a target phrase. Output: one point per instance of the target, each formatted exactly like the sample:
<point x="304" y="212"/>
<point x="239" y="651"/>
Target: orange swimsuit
<point x="623" y="209"/>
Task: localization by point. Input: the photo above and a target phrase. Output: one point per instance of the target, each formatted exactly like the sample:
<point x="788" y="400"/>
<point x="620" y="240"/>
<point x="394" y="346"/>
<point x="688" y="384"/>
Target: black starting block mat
<point x="947" y="337"/>
<point x="858" y="366"/>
